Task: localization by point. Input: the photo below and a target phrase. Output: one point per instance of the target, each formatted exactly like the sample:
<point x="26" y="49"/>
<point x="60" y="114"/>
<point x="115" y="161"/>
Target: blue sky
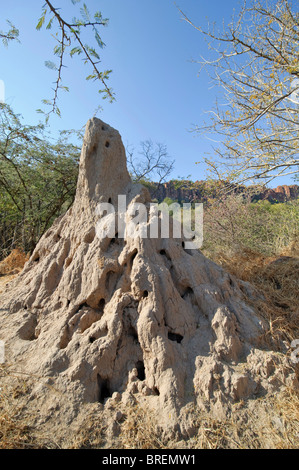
<point x="151" y="50"/>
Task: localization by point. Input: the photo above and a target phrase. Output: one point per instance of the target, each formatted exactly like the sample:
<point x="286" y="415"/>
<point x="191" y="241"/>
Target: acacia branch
<point x="71" y="27"/>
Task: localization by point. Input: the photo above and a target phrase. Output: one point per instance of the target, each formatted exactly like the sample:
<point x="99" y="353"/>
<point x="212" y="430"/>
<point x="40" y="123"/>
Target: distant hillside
<point x="200" y="191"/>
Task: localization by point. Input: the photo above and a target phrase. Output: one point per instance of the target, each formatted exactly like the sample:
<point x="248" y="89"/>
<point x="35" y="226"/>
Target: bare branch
<point x="70" y="37"/>
<point x="255" y="68"/>
<point x="153" y="163"/>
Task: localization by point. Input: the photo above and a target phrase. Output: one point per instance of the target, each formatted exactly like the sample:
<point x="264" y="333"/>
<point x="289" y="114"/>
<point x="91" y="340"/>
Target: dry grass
<point x="91" y="435"/>
<point x="265" y="423"/>
<point x="13" y="263"/>
<point x="286" y="407"/>
<point x="15" y="432"/>
<point x="140" y="430"/>
<point x="11" y="266"/>
<point x="272" y="423"/>
<point x="277" y="278"/>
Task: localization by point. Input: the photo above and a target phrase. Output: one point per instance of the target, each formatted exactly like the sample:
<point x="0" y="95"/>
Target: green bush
<point x="234" y="224"/>
<point x="37" y="180"/>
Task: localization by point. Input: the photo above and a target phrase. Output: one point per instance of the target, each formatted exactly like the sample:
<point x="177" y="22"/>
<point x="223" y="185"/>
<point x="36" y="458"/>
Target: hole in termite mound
<point x="97" y="335"/>
<point x="104" y="390"/>
<point x="132" y="258"/>
<point x="140" y="370"/>
<point x="111" y="281"/>
<point x="114" y="241"/>
<point x="166" y="258"/>
<point x="164" y="253"/>
<point x="90" y="235"/>
<point x="57" y="237"/>
<point x="175" y="337"/>
<point x="189" y="297"/>
<point x="101" y="305"/>
<point x="36" y="258"/>
<point x="133" y="333"/>
<point x="81" y="307"/>
<point x="188" y="292"/>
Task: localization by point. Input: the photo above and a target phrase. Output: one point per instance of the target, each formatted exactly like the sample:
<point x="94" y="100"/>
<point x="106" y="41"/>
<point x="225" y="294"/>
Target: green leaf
<point x="92" y="51"/>
<point x="57" y="50"/>
<point x="91" y="77"/>
<point x="76" y="50"/>
<point x="74" y="31"/>
<point x="99" y="40"/>
<point x="85" y="13"/>
<point x="49" y="25"/>
<point x="41" y="20"/>
<point x="98" y="17"/>
<point x="106" y="73"/>
<point x="50" y="65"/>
